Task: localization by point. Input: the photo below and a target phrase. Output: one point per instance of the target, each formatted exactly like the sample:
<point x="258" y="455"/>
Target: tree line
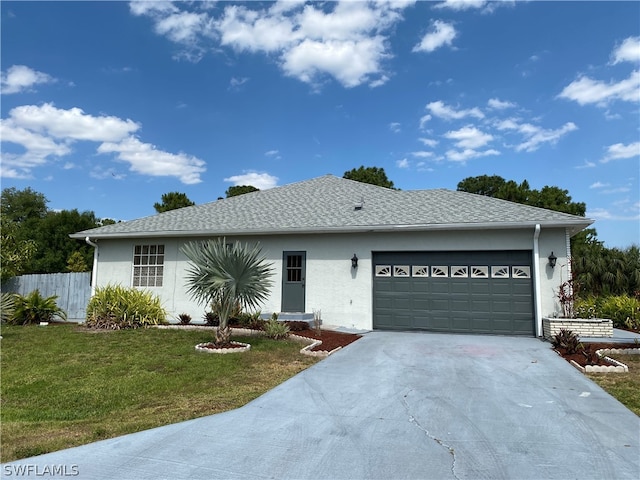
<point x="36" y="239"/>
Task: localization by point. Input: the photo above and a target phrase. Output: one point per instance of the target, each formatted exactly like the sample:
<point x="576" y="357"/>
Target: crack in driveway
<point x="439" y="441"/>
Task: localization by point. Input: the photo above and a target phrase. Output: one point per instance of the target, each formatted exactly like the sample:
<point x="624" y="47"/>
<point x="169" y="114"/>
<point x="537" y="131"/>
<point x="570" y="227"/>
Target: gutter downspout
<point x="94" y="270"/>
<point x="536" y="284"/>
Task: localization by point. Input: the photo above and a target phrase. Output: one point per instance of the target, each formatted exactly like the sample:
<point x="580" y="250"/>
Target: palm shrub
<point x="116" y="307"/>
<point x="34" y="308"/>
<point x="7" y="306"/>
<point x="227" y="276"/>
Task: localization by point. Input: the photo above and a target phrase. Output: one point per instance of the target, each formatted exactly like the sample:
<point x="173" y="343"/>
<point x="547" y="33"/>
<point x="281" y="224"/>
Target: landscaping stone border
<point x="202" y="347"/>
<point x="616" y="367"/>
<point x="306" y="350"/>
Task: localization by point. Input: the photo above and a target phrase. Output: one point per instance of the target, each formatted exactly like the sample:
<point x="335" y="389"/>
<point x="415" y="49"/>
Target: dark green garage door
<point x="472" y="292"/>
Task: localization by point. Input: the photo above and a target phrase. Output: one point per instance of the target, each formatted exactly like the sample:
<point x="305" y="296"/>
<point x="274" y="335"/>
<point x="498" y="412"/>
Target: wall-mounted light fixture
<point x="354" y="261"/>
<point x="552" y="260"/>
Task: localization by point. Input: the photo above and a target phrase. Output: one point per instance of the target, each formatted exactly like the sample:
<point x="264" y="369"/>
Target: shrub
<point x="7" y="306"/>
<point x="250" y="320"/>
<point x="620" y="308"/>
<point x="276" y="329"/>
<point x="586" y="308"/>
<point x="34" y="308"/>
<point x="115" y="307"/>
<point x="211" y="319"/>
<point x="297" y="326"/>
<point x="184" y="318"/>
<point x="567" y="340"/>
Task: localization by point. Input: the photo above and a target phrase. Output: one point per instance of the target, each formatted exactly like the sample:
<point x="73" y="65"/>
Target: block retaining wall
<point x="583" y="327"/>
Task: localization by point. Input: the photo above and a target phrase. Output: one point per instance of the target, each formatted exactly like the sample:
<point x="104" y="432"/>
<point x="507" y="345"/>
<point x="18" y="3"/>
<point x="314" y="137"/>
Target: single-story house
<point x="367" y="257"/>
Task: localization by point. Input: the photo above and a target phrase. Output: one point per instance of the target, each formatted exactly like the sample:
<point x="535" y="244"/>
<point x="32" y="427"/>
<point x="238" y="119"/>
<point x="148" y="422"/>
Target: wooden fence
<point x="73" y="290"/>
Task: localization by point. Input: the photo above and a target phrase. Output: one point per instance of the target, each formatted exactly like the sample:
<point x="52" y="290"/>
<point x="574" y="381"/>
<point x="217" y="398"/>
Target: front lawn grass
<point x="62" y="386"/>
<point x="624" y="386"/>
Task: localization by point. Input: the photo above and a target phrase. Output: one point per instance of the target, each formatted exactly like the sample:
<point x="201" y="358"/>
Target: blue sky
<point x="108" y="105"/>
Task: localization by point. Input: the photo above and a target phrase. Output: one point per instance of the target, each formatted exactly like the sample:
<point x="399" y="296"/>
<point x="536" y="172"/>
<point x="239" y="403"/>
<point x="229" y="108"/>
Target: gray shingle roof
<point x="328" y="203"/>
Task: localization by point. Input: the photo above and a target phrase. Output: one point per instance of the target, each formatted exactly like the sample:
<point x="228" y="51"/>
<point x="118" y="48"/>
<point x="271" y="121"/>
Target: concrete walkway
<point x="391" y="406"/>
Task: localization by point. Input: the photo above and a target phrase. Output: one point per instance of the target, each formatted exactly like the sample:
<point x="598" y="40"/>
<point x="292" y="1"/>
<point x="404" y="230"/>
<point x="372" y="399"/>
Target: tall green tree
<point x="236" y="190"/>
<point x="15" y="254"/>
<point x="372" y="175"/>
<point x="552" y="198"/>
<point x="54" y="247"/>
<point x="172" y="201"/>
<point x="22" y="205"/>
<point x="225" y="275"/>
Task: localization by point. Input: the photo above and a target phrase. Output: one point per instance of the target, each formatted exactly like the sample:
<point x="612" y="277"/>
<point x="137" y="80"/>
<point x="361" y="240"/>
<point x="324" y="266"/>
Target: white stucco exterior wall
<point x="343" y="294"/>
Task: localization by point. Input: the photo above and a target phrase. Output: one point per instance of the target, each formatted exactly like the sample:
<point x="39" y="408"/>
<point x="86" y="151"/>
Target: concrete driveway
<point x="391" y="406"/>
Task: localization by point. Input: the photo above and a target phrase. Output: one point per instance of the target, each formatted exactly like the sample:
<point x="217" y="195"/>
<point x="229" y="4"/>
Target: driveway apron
<point x="390" y="406"/>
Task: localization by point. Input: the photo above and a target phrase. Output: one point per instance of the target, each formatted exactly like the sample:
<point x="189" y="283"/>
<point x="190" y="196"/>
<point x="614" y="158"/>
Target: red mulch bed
<point x="590" y="349"/>
<point x="330" y="339"/>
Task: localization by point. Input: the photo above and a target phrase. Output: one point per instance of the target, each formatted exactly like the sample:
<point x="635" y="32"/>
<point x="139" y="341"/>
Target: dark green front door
<point x="293" y="280"/>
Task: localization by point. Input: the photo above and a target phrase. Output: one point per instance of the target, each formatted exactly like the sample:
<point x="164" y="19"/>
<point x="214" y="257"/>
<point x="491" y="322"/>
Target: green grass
<point x="62" y="386"/>
<point x="624" y="386"/>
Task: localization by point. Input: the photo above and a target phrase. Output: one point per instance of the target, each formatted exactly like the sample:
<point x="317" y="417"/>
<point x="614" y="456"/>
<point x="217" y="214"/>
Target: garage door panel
<point x="439" y="286"/>
<point x="440" y="304"/>
<point x="479" y="287"/>
<point x="460" y="305"/>
<point x="460" y="287"/>
<point x="521" y="289"/>
<point x="483" y="292"/>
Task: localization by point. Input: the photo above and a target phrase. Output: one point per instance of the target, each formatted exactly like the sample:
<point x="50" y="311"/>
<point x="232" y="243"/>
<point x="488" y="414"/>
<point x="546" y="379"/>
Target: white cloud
<point x="148" y="7"/>
<point x="236" y="83"/>
<point x="468" y="154"/>
<point x="351" y="62"/>
<point x="262" y="181"/>
<point x="424" y="119"/>
<point x="344" y="40"/>
<point x="498" y="104"/>
<point x="441" y="34"/>
<point x="36" y="148"/>
<point x="45" y="131"/>
<point x="469" y="137"/>
<point x="72" y="124"/>
<point x="428" y="142"/>
<point x="586" y="164"/>
<point x="422" y="154"/>
<point x="534" y="135"/>
<point x="627" y="51"/>
<point x="20" y="78"/>
<point x="459" y="5"/>
<point x="599" y="185"/>
<point x="146" y="159"/>
<point x="537" y="136"/>
<point x="619" y="151"/>
<point x="244" y="29"/>
<point x="272" y="153"/>
<point x="440" y="110"/>
<point x="404" y="163"/>
<point x="395" y="127"/>
<point x="586" y="90"/>
<point x="604" y="214"/>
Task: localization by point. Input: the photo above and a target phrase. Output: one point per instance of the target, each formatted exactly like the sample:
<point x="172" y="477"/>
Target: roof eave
<point x="573" y="226"/>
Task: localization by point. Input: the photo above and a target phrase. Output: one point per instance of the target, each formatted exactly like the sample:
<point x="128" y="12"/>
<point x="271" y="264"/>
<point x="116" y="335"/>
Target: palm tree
<point x="227" y="275"/>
